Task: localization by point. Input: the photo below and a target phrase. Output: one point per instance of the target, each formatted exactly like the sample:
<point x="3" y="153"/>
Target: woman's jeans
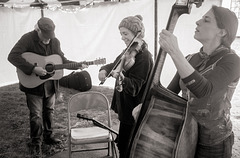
<point x="221" y="150"/>
<point x="41" y="116"/>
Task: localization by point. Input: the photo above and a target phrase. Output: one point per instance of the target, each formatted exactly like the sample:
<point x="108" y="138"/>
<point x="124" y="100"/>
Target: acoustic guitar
<point x="54" y="66"/>
<point x="165" y="128"/>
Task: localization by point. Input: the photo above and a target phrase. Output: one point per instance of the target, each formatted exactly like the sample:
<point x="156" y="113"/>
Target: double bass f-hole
<point x="121" y="62"/>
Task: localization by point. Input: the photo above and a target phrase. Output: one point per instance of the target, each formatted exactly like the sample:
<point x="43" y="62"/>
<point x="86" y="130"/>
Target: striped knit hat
<point x="134" y="24"/>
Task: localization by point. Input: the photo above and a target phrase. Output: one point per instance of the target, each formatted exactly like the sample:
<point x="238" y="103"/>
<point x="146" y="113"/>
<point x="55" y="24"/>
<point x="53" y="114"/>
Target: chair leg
<point x="109" y="147"/>
<point x="69" y="149"/>
<point x="112" y="147"/>
<point x="114" y="151"/>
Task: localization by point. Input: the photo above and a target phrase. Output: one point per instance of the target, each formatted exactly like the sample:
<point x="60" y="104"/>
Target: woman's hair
<point x="227" y="20"/>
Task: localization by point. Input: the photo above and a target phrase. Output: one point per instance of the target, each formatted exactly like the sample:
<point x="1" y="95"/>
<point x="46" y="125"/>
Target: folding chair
<point x="80" y="105"/>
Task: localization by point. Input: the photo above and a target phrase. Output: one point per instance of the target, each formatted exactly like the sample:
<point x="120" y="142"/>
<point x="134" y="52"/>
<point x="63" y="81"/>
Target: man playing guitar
<point x="40" y="99"/>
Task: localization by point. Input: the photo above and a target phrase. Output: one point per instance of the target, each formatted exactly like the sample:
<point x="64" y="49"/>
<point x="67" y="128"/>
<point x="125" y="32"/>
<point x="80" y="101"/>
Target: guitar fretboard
<point x="72" y="65"/>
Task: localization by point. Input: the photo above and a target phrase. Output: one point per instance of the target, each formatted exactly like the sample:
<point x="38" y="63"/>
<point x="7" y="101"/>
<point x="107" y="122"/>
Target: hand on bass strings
<point x="168" y="42"/>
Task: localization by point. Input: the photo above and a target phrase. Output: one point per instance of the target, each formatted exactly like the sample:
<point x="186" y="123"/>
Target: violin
<point x="125" y="61"/>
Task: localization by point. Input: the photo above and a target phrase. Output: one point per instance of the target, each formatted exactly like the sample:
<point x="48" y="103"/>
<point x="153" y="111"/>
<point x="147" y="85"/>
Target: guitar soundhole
<point x="49" y="68"/>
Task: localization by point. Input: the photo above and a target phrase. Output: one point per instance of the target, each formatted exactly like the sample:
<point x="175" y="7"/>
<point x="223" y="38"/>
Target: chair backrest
<point x="89" y="100"/>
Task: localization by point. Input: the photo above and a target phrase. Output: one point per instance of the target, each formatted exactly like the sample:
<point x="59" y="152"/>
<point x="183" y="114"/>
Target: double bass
<point x="164" y="128"/>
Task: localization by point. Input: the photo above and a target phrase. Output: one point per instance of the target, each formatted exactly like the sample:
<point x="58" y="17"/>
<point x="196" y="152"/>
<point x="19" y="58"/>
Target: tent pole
<point x="155" y="28"/>
<point x="42" y="12"/>
<point x="40" y="4"/>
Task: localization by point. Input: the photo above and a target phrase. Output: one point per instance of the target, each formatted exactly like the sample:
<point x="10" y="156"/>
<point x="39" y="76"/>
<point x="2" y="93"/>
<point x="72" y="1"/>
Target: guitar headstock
<point x="100" y="61"/>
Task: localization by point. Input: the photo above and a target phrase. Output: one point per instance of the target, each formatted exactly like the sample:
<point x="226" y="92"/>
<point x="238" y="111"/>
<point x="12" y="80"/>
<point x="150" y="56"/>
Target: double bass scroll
<point x="164" y="126"/>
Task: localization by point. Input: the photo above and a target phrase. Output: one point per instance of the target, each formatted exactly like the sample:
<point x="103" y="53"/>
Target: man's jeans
<point x="41" y="112"/>
<point x="221" y="150"/>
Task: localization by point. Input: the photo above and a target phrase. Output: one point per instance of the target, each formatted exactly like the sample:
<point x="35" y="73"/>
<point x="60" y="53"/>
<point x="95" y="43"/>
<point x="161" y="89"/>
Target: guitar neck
<point x="72" y="65"/>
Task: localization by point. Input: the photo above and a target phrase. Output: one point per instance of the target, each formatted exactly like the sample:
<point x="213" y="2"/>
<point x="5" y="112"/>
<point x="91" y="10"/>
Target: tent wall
<point x="93" y="32"/>
<point x="229" y="4"/>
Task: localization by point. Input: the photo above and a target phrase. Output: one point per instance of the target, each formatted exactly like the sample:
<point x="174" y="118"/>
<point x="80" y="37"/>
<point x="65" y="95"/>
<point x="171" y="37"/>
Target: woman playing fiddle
<point x="208" y="79"/>
<point x="135" y="66"/>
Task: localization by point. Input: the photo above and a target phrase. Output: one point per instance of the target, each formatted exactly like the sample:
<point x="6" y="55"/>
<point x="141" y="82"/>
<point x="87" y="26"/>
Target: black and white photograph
<point x="120" y="79"/>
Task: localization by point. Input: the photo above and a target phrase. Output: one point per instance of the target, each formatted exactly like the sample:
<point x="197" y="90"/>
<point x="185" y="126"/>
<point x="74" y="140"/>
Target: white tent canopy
<point x="92" y="32"/>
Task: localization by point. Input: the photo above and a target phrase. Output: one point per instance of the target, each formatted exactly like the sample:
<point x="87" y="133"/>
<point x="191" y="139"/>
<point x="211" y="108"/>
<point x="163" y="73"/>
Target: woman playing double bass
<point x="208" y="79"/>
<point x="132" y="77"/>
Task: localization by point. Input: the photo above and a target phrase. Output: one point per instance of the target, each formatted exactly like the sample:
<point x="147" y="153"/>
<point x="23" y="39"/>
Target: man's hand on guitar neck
<point x="39" y="71"/>
<point x="83" y="66"/>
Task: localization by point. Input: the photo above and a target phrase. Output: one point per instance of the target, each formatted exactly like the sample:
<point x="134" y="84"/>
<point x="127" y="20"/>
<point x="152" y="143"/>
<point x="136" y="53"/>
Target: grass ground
<point x="14" y="129"/>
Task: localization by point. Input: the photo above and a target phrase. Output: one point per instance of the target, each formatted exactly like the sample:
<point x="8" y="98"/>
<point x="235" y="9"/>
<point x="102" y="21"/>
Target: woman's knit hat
<point x="227" y="20"/>
<point x="134" y="24"/>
